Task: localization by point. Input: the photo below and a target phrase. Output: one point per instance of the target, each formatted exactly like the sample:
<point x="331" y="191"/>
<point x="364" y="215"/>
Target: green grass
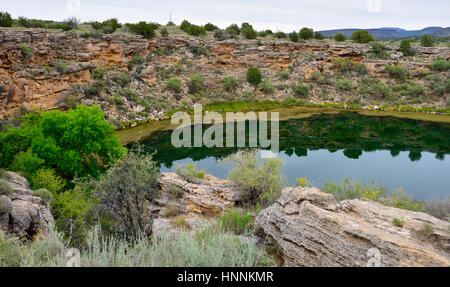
<point x="237" y="221"/>
<point x="208" y="247"/>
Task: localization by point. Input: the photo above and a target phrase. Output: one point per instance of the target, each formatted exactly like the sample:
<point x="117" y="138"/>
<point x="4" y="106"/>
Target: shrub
<point x="137" y="59"/>
<point x="5" y="207"/>
<point x="230" y="84"/>
<point x="306" y="33"/>
<point x="379" y="50"/>
<point x="239" y="222"/>
<point x="123" y="79"/>
<point x="108" y="27"/>
<point x="319" y="36"/>
<point x="405" y="47"/>
<point x="196" y="83"/>
<point x="174" y="191"/>
<point x="210" y="27"/>
<point x="94" y="89"/>
<point x="339" y="37"/>
<point x="399" y="199"/>
<point x="5" y="188"/>
<point x="362" y="36"/>
<point x="260" y="184"/>
<point x="399" y="222"/>
<point x="99" y="73"/>
<point x="45" y="195"/>
<point x="249" y="33"/>
<point x="164" y="32"/>
<point x="189" y="172"/>
<point x="397" y="71"/>
<point x="196" y="30"/>
<point x="254" y="76"/>
<point x="361" y="69"/>
<point x="343" y="64"/>
<point x="27" y="52"/>
<point x="266" y="87"/>
<point x="26" y="162"/>
<point x="447" y="101"/>
<point x="185" y="25"/>
<point x="170" y="211"/>
<point x="222" y="35"/>
<point x="438" y="207"/>
<point x="47" y="178"/>
<point x="303" y="181"/>
<point x="280" y="35"/>
<point x="284" y="75"/>
<point x="147" y="30"/>
<point x="174" y="84"/>
<point x="293" y="36"/>
<point x="198" y="50"/>
<point x="440" y="64"/>
<point x="426" y="230"/>
<point x="301" y="91"/>
<point x="61" y="66"/>
<point x="350" y="189"/>
<point x="126" y="189"/>
<point x="345" y="85"/>
<point x="427" y="41"/>
<point x="233" y="29"/>
<point x="5" y="19"/>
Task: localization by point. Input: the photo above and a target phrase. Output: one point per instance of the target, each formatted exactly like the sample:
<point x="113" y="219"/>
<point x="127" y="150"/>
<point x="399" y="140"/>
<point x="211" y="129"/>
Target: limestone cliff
<point x="126" y="74"/>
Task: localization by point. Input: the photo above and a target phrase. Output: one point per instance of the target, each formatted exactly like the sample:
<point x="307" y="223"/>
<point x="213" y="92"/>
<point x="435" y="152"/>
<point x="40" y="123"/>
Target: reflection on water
<point x="396" y="152"/>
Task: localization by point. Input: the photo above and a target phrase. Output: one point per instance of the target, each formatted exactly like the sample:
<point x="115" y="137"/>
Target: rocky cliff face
<point x="127" y="74"/>
<point x="23" y="212"/>
<point x="312" y="229"/>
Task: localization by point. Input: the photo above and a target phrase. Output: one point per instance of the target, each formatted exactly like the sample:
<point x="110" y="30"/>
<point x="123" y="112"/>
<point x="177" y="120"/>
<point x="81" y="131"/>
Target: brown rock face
<point x="27" y="214"/>
<point x="199" y="202"/>
<point x="311" y="229"/>
<point x="51" y="70"/>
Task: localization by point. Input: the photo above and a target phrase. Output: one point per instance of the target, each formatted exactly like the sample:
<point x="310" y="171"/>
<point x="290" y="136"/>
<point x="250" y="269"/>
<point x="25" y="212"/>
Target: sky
<point x="283" y="15"/>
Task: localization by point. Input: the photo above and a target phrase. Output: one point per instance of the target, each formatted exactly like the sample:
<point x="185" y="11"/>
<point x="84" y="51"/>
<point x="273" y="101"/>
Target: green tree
<point x="233" y="29"/>
<point x="362" y="36"/>
<point x="144" y="29"/>
<point x="196" y="30"/>
<point x="248" y="32"/>
<point x="185" y="25"/>
<point x="5" y="19"/>
<point x="427" y="40"/>
<point x="306" y="33"/>
<point x="405" y="47"/>
<point x="254" y="76"/>
<point x="319" y="36"/>
<point x="210" y="27"/>
<point x="339" y="37"/>
<point x="293" y="36"/>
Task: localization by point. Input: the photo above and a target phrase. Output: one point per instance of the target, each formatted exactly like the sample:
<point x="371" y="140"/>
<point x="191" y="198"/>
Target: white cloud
<point x="373" y="6"/>
<point x="73" y="6"/>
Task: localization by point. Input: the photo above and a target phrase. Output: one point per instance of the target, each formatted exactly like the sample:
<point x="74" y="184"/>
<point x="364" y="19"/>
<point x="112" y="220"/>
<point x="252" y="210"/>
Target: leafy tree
<point x="306" y="33"/>
<point x="196" y="30"/>
<point x="379" y="50"/>
<point x="110" y="26"/>
<point x="339" y="37"/>
<point x="362" y="36"/>
<point x="233" y="29"/>
<point x="254" y="76"/>
<point x="248" y="32"/>
<point x="427" y="41"/>
<point x="185" y="25"/>
<point x="143" y="28"/>
<point x="5" y="19"/>
<point x="405" y="47"/>
<point x="319" y="36"/>
<point x="210" y="27"/>
<point x="280" y="35"/>
<point x="293" y="36"/>
<point x="126" y="190"/>
<point x="78" y="142"/>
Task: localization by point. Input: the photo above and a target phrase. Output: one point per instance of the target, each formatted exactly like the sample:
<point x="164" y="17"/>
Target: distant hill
<point x="393" y="33"/>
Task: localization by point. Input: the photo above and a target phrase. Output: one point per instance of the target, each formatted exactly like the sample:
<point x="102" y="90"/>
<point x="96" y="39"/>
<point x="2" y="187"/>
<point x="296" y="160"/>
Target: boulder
<point x="27" y="214"/>
<point x="311" y="229"/>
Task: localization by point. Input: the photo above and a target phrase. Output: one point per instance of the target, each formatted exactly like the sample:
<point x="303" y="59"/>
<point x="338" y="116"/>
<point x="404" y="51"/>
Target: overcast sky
<point x="285" y="15"/>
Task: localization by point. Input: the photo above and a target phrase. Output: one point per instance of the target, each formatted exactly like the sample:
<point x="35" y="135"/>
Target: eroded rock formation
<point x="25" y="214"/>
<point x="312" y="229"/>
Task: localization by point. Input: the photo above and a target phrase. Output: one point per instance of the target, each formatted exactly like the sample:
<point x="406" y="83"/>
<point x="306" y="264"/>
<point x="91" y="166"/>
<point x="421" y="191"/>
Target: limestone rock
<point x="312" y="230"/>
<point x="27" y="215"/>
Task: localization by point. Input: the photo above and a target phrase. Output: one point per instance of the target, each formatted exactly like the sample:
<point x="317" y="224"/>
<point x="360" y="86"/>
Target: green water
<point x="397" y="152"/>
